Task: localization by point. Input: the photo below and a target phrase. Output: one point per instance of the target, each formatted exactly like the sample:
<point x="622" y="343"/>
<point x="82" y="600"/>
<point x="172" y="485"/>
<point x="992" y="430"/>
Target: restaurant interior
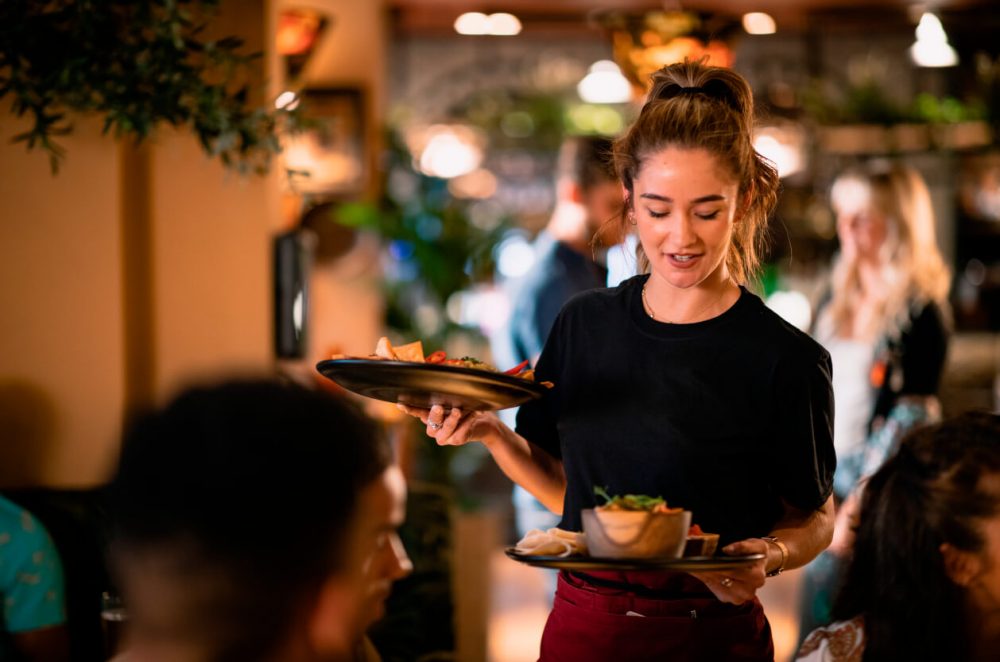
<point x="380" y="168"/>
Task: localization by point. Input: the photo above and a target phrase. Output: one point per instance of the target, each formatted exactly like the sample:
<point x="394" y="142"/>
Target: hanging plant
<point x="136" y="64"/>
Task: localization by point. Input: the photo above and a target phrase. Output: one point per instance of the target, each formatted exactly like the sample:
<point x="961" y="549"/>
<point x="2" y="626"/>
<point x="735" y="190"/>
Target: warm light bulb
<point x="449" y="151"/>
<point x="930" y="28"/>
<point x="472" y="23"/>
<point x="604" y="83"/>
<point x="504" y="25"/>
<point x="759" y="23"/>
<point x="500" y="24"/>
<point x="287" y="100"/>
<point x="932" y="48"/>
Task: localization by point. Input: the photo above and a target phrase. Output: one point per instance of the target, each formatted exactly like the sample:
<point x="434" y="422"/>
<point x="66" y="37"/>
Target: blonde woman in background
<point x="885" y="323"/>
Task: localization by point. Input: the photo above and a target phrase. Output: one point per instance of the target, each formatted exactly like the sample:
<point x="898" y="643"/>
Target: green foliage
<point x="862" y="104"/>
<point x="516" y="119"/>
<point x="928" y="108"/>
<point x="136" y="64"/>
<point x="868" y="104"/>
<point x="435" y="247"/>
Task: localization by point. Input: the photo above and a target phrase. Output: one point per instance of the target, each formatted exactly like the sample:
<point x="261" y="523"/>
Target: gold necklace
<point x="649" y="309"/>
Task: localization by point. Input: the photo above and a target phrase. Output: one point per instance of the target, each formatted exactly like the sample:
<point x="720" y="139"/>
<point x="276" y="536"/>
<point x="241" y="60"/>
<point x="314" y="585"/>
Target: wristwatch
<point x="784" y="555"/>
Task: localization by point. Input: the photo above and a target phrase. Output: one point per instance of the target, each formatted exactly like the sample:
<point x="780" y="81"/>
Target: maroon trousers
<point x="640" y="617"/>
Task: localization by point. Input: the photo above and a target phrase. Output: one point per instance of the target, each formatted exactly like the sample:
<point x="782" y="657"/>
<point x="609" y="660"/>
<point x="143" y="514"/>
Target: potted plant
<point x="136" y="65"/>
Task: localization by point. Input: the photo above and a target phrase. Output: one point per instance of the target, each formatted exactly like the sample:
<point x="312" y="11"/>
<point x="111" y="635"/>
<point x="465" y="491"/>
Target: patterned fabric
<point x="31" y="579"/>
<point x="843" y="641"/>
<point x="882" y="441"/>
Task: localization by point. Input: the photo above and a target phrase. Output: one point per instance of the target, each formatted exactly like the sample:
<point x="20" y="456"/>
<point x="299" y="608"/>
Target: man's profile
<point x="255" y="520"/>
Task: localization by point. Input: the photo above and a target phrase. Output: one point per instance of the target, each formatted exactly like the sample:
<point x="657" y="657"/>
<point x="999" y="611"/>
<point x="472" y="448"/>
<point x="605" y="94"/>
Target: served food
<point x="414" y="353"/>
<point x="632" y="502"/>
<point x="554" y="542"/>
<point x="635" y="526"/>
<point x="628" y="526"/>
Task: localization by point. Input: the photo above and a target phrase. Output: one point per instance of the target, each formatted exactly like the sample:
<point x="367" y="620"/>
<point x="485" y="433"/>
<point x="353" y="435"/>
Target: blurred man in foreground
<point x="255" y="521"/>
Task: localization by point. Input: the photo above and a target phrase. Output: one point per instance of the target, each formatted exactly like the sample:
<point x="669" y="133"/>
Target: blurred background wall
<point x="125" y="274"/>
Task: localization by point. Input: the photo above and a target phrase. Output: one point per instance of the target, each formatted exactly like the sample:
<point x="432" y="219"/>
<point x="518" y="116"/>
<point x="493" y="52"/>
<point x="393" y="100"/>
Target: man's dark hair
<point x="253" y="486"/>
<point x="586" y="161"/>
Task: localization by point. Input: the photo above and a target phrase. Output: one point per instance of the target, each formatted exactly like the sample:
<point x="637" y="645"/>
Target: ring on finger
<point x="435" y="426"/>
<point x="726" y="582"/>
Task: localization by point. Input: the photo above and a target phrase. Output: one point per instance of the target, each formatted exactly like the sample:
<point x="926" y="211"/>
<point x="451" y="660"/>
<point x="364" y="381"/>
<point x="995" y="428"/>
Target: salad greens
<point x="629" y="501"/>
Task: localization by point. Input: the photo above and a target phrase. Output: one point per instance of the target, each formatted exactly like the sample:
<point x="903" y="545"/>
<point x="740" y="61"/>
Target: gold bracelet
<point x="784" y="555"/>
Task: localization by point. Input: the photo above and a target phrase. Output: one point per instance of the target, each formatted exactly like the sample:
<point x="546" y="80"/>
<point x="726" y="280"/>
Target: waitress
<point x="678" y="383"/>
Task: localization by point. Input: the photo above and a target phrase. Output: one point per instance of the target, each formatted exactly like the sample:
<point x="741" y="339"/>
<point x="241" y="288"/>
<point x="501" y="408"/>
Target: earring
<point x="631" y="218"/>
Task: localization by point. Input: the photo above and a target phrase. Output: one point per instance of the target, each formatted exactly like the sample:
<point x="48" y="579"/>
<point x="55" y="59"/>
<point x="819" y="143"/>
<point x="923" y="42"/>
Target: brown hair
<point x="585" y="161"/>
<point x="694" y="106"/>
<point x="936" y="489"/>
<point x="242" y="592"/>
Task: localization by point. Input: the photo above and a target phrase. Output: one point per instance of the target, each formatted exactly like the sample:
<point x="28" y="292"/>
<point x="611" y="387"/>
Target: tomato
<point x="436" y="357"/>
<point x="518" y="368"/>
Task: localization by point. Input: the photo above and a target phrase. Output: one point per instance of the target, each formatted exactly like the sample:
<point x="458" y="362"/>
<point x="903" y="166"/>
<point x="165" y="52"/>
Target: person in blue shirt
<point x="587" y="195"/>
<point x="31" y="587"/>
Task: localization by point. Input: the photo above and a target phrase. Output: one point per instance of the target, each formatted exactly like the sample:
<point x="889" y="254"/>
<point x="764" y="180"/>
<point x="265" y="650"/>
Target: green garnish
<point x="629" y="501"/>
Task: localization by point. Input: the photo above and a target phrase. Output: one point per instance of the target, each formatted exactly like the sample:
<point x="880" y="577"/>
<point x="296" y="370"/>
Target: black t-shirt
<point x="724" y="417"/>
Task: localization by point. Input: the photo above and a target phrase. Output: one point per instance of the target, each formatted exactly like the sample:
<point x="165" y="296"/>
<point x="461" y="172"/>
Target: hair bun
<point x="692" y="79"/>
<point x="691" y="90"/>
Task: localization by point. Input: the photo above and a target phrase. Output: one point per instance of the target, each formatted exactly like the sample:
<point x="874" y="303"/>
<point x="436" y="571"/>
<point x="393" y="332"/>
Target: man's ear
<point x="329" y="627"/>
<point x="962" y="567"/>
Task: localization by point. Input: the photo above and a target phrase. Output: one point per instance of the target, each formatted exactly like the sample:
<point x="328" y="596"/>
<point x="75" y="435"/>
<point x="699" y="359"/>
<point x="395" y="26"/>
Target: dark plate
<point x="684" y="564"/>
<point x="427" y="384"/>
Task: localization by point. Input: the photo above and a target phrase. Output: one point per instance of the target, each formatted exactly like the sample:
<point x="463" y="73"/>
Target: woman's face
<point x="685" y="205"/>
<point x="861" y="227"/>
<point x="985" y="587"/>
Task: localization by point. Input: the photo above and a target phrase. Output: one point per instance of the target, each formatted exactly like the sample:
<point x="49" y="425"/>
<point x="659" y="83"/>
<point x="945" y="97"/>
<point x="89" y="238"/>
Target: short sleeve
<point x="803" y="453"/>
<point x="32" y="590"/>
<point x="537" y="419"/>
<point x="548" y="303"/>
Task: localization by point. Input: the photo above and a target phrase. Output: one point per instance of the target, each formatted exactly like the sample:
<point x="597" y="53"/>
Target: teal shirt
<point x="31" y="577"/>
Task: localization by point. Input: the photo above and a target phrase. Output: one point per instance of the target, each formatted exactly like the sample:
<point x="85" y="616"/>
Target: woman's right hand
<point x="527" y="465"/>
<point x="457" y="427"/>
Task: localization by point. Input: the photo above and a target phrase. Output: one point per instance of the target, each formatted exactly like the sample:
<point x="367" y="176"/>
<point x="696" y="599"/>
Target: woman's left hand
<point x="738" y="585"/>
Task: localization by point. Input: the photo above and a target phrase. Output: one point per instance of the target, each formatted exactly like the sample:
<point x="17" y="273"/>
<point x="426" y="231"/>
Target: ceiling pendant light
<point x="932" y="48"/>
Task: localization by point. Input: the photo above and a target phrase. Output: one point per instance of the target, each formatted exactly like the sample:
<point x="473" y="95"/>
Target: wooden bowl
<point x="618" y="534"/>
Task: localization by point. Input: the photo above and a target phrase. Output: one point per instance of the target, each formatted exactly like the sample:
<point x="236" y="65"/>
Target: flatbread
<point x="385" y="350"/>
<point x="554" y="542"/>
<point x="413" y="351"/>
